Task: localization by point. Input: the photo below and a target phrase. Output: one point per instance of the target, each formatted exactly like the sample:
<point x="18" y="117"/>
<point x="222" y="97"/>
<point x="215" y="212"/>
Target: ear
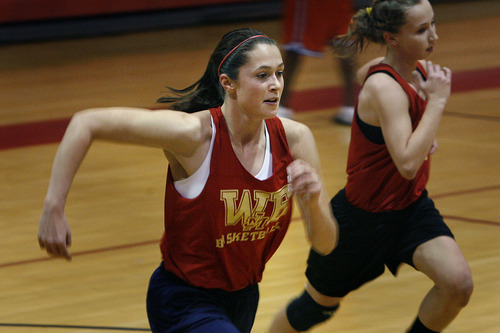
<point x="390" y="38"/>
<point x="226" y="83"/>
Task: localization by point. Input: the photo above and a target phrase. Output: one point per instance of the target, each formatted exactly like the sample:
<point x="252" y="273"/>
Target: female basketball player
<point x="233" y="168"/>
<point x="385" y="216"/>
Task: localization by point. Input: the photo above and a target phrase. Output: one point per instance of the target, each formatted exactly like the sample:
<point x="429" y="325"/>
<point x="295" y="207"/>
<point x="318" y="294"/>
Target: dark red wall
<point x="12" y="11"/>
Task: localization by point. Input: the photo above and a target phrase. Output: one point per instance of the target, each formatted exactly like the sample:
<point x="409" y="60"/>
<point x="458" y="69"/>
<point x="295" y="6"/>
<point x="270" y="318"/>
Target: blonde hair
<point x="369" y="25"/>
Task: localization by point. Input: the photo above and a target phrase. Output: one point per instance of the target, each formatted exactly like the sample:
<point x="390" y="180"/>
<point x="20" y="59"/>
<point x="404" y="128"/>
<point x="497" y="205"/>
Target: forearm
<point x="437" y="89"/>
<point x="421" y="140"/>
<point x="69" y="156"/>
<point x="321" y="226"/>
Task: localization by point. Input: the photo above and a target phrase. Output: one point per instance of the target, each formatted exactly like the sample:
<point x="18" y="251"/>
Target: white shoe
<point x="284" y="112"/>
<point x="345" y="115"/>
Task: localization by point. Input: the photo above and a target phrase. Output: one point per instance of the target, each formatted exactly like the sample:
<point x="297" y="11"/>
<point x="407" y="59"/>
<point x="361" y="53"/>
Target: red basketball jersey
<point x="224" y="237"/>
<point x="374" y="183"/>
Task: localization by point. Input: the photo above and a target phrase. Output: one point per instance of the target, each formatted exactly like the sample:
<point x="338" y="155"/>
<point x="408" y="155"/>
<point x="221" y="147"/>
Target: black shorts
<point x="370" y="241"/>
<point x="175" y="306"/>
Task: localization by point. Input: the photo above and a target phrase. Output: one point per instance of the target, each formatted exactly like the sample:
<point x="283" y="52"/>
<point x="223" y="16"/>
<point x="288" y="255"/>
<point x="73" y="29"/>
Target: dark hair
<point x="207" y="92"/>
<point x="369" y="24"/>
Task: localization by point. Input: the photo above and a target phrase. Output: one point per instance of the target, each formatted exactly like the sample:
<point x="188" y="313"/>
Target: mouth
<point x="430" y="49"/>
<point x="274" y="100"/>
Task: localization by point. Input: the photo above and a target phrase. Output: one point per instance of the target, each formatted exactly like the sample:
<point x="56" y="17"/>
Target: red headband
<point x="227" y="55"/>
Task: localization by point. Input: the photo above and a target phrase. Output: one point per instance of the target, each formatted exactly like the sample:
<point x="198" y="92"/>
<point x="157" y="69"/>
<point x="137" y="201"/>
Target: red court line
<point x="474" y="190"/>
<point x="81" y="253"/>
<point x="471" y="220"/>
<point x="156" y="241"/>
<point x="470" y="191"/>
<point x="51" y="131"/>
<point x="323" y="98"/>
<point x="33" y="133"/>
<point x="99" y="250"/>
<point x="477" y="79"/>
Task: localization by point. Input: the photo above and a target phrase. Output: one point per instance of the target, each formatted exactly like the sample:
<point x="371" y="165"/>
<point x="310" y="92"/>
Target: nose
<point x="277" y="83"/>
<point x="433" y="37"/>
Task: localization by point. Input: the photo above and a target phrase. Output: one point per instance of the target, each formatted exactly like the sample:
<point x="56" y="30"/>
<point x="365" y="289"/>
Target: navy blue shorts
<point x="370" y="241"/>
<point x="175" y="306"/>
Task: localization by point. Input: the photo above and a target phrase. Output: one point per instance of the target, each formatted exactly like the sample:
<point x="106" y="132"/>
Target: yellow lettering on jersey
<point x="234" y="212"/>
<point x="233" y="237"/>
<point x="281" y="201"/>
<point x="251" y="212"/>
<point x="253" y="215"/>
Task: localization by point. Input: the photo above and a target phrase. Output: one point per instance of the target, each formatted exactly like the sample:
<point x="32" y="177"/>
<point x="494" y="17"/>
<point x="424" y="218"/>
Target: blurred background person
<point x="309" y="26"/>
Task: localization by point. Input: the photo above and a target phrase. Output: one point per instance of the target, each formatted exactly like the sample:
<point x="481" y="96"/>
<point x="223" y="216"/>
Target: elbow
<point x="81" y="124"/>
<point x="409" y="167"/>
<point x="327" y="245"/>
<point x="409" y="171"/>
<point x="78" y="120"/>
<point x="408" y="174"/>
<point x="326" y="250"/>
<point x="88" y="119"/>
<point x="81" y="118"/>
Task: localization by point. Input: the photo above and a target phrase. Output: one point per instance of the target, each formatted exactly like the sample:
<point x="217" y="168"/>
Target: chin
<point x="271" y="109"/>
<point x="271" y="114"/>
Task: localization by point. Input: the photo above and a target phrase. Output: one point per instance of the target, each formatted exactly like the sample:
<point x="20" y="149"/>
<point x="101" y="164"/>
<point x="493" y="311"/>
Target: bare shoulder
<point x="363" y="70"/>
<point x="294" y="130"/>
<point x="382" y="88"/>
<point x="179" y="132"/>
<point x="300" y="138"/>
<point x="197" y="126"/>
<point x="380" y="82"/>
<point x="382" y="101"/>
<point x="205" y="120"/>
<point x="191" y="144"/>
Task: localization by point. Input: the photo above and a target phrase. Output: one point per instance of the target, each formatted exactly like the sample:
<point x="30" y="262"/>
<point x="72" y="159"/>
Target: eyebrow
<point x="267" y="66"/>
<point x="426" y="23"/>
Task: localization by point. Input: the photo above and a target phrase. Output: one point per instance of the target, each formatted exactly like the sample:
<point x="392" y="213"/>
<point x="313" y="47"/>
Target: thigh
<point x="214" y="325"/>
<point x="421" y="223"/>
<point x="358" y="257"/>
<point x="173" y="306"/>
<point x="241" y="307"/>
<point x="441" y="260"/>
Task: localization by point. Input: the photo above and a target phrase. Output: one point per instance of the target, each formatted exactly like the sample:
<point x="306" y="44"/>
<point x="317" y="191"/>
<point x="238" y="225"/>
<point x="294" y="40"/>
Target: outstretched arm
<point x="307" y="185"/>
<point x="177" y="132"/>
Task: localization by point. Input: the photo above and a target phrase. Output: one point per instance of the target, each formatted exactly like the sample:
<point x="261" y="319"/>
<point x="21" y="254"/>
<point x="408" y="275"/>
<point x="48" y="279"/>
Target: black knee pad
<point x="303" y="312"/>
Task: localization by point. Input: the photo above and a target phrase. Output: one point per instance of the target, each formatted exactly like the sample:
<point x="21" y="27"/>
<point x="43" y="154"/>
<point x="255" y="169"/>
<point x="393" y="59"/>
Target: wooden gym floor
<point x="115" y="206"/>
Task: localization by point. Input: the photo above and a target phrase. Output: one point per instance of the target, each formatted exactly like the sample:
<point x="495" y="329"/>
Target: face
<point x="260" y="81"/>
<point x="417" y="37"/>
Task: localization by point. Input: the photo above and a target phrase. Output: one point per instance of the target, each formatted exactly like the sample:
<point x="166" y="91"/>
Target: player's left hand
<point x="304" y="181"/>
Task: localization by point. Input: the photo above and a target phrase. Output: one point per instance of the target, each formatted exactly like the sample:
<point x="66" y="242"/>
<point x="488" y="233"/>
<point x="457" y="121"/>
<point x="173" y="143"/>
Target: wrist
<point x="309" y="201"/>
<point x="52" y="204"/>
<point x="437" y="101"/>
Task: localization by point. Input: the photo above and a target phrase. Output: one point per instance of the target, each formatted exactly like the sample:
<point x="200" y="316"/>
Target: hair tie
<point x="368" y="11"/>
<point x="234" y="48"/>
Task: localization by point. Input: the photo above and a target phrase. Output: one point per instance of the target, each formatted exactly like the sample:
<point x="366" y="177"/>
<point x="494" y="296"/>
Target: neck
<point x="242" y="129"/>
<point x="404" y="67"/>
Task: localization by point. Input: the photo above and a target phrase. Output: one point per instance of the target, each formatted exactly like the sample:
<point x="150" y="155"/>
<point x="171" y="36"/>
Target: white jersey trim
<point x="192" y="186"/>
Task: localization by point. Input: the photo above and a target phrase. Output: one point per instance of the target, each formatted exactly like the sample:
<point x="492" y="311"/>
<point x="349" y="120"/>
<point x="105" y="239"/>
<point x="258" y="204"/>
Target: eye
<point x="279" y="73"/>
<point x="426" y="27"/>
<point x="422" y="30"/>
<point x="262" y="75"/>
